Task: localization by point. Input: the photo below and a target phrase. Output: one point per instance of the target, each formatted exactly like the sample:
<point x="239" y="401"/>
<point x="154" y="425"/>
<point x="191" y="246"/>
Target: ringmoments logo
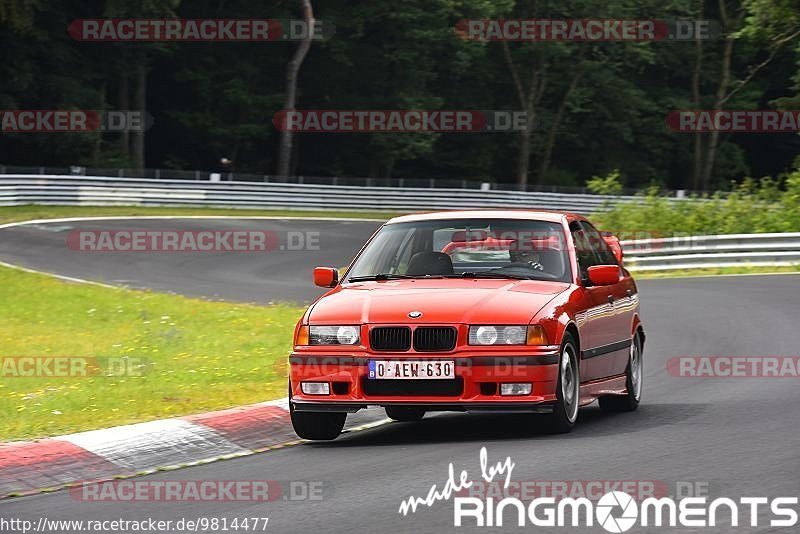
<point x="615" y="511"/>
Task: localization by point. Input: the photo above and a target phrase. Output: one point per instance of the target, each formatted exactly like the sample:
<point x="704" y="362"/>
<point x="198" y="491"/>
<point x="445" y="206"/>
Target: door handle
<point x="611" y="299"/>
<point x="629" y="292"/>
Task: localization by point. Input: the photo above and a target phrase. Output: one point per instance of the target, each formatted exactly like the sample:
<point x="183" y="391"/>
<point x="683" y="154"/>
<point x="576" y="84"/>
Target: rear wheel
<point x="565" y="411"/>
<point x="404" y="413"/>
<point x="634" y="372"/>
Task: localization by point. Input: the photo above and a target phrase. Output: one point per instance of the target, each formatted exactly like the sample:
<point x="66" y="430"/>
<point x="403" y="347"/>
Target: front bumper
<point x="476" y="386"/>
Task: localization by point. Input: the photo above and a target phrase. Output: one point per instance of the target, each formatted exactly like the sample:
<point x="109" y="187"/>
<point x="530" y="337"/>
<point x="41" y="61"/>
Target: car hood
<point x="439" y="300"/>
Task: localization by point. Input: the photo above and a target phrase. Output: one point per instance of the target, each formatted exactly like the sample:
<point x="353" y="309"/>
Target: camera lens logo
<point x="607" y="504"/>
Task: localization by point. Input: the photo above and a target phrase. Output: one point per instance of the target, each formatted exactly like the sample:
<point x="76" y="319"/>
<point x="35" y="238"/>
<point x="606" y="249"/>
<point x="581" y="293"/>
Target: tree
<point x="775" y="25"/>
<point x="292" y="71"/>
<point x="141" y="56"/>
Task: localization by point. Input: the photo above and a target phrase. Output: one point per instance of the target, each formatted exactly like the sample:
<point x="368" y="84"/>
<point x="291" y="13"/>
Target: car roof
<point x="537" y="215"/>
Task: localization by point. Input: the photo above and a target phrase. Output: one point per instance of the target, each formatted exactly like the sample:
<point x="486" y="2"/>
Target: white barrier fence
<point x="643" y="255"/>
<point x="713" y="251"/>
<point x="16" y="189"/>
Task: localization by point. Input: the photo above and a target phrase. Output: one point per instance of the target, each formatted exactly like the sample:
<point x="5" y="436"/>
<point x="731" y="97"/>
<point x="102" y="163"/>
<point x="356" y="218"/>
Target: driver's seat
<point x="428" y="262"/>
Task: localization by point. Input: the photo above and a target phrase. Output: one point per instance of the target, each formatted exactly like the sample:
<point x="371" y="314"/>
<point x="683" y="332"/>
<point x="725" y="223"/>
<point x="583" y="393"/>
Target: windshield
<point x="497" y="248"/>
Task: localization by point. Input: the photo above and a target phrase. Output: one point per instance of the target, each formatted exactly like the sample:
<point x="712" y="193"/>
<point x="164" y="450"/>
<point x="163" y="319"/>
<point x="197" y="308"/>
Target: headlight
<point x="506" y="335"/>
<point x="333" y="335"/>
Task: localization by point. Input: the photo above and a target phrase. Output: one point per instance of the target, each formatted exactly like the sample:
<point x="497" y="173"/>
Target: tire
<point x="405" y="414"/>
<point x="565" y="411"/>
<point x="633" y="383"/>
<point x="320" y="426"/>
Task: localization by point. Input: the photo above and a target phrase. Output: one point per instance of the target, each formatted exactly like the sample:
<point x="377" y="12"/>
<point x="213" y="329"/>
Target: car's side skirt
<point x="590" y="391"/>
<point x="605" y="349"/>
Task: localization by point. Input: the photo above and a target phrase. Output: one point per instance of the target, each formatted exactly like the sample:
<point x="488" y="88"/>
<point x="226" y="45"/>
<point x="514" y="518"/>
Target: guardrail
<point x="713" y="251"/>
<point x="352" y="181"/>
<point x="67" y="189"/>
<point x="689" y="252"/>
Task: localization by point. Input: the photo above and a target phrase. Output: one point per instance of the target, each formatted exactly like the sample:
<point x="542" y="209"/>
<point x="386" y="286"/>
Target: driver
<point x="527" y="259"/>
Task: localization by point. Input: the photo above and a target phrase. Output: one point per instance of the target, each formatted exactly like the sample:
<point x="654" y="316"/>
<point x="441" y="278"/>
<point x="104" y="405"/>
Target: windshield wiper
<point x="381" y="276"/>
<point x="389" y="276"/>
<point x="490" y="274"/>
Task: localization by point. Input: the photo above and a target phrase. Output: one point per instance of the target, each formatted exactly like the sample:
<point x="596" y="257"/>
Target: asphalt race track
<point x="738" y="437"/>
<point x="282" y="273"/>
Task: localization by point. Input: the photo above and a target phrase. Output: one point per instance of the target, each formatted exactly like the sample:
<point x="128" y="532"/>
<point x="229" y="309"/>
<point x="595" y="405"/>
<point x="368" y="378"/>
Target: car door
<point x="594" y="318"/>
<point x="611" y="343"/>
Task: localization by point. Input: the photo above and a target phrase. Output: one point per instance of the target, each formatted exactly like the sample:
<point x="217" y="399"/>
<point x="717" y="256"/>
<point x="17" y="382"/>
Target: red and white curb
<point x="142" y="448"/>
<point x="48" y="464"/>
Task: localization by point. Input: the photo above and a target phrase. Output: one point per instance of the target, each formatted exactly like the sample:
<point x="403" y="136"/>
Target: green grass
<point x="192" y="355"/>
<point x="685" y="273"/>
<point x="27" y="212"/>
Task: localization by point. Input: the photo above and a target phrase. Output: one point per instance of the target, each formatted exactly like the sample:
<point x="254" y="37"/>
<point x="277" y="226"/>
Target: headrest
<point x="462" y="236"/>
<point x="547" y="243"/>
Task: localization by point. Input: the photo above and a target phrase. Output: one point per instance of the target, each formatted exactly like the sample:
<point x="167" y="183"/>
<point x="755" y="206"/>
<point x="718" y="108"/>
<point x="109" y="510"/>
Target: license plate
<point x="412" y="369"/>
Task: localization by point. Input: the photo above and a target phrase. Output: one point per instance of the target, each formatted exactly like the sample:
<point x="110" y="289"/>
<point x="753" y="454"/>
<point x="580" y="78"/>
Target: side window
<point x="604" y="254"/>
<point x="583" y="249"/>
<point x="404" y="250"/>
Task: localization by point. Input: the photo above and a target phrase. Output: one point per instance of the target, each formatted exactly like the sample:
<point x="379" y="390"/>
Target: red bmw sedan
<point x="524" y="311"/>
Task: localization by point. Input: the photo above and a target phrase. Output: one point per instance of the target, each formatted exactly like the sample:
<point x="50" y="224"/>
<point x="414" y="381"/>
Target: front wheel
<point x="404" y="413"/>
<point x="317" y="425"/>
<point x="630" y="401"/>
<point x="565" y="411"/>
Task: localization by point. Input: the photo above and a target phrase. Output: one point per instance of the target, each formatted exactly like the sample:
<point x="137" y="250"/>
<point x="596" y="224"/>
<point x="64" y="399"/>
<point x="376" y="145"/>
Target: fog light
<point x="516" y="389"/>
<point x="315" y="388"/>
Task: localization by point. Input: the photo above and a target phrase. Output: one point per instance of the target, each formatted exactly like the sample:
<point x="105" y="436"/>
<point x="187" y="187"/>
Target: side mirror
<point x="603" y="275"/>
<point x="613" y="243"/>
<point x="326" y="276"/>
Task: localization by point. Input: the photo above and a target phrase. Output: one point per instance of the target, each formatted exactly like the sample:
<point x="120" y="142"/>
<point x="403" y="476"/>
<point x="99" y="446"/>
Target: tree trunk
<point x="124" y="105"/>
<point x="141" y="106"/>
<point x="722" y="94"/>
<point x="547" y="152"/>
<point x="523" y="163"/>
<point x="98" y="140"/>
<point x="527" y="102"/>
<point x="292" y="70"/>
<point x="713" y="137"/>
<point x="697" y="155"/>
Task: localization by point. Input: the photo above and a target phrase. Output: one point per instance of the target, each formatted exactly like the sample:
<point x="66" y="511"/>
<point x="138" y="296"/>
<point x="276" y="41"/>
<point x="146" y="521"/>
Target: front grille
<point x="410" y="388"/>
<point x="434" y="338"/>
<point x="396" y="338"/>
